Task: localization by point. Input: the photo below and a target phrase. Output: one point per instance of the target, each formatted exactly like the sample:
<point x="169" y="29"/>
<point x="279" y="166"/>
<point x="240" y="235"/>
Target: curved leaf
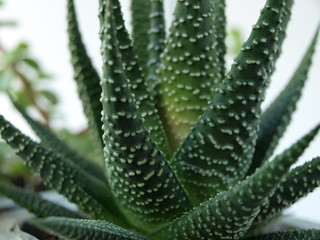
<point x="156" y="44"/>
<point x="301" y="181"/>
<point x="50" y="140"/>
<point x="86" y="77"/>
<point x="219" y="22"/>
<point x="218" y="151"/>
<point x="35" y="203"/>
<point x="189" y="71"/>
<point x="140" y="10"/>
<point x="62" y="175"/>
<point x="82" y="229"/>
<point x="229" y="214"/>
<point x="144" y="100"/>
<point x="139" y="175"/>
<point x="277" y="116"/>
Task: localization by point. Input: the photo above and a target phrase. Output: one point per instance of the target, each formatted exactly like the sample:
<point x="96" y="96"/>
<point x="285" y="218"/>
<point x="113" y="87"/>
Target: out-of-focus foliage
<point x="23" y="77"/>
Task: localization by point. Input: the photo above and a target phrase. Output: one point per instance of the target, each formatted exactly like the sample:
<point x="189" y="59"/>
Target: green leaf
<point x="140" y="10"/>
<point x="83" y="229"/>
<point x="296" y="184"/>
<point x="139" y="176"/>
<point x="219" y="21"/>
<point x="51" y="141"/>
<point x="50" y="96"/>
<point x="156" y="44"/>
<point x="32" y="63"/>
<point x="132" y="70"/>
<point x="218" y="151"/>
<point x="301" y="181"/>
<point x="7" y="23"/>
<point x="19" y="52"/>
<point x="86" y="77"/>
<point x="189" y="70"/>
<point x="35" y="203"/>
<point x="62" y="175"/>
<point x="310" y="234"/>
<point x="6" y="79"/>
<point x="277" y="116"/>
<point x="229" y="214"/>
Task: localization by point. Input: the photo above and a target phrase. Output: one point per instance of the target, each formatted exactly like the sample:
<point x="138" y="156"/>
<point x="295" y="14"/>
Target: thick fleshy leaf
<point x="277" y="116"/>
<point x="83" y="229"/>
<point x="62" y="175"/>
<point x="156" y="44"/>
<point x="311" y="234"/>
<point x="140" y="10"/>
<point x="219" y="21"/>
<point x="86" y="77"/>
<point x="301" y="181"/>
<point x="291" y="188"/>
<point x="132" y="70"/>
<point x="229" y="214"/>
<point x="189" y="69"/>
<point x="138" y="173"/>
<point x="218" y="151"/>
<point x="50" y="140"/>
<point x="34" y="203"/>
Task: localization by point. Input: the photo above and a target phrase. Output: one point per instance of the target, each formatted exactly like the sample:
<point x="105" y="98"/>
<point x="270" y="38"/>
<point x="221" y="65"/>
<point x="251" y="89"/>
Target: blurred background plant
<point x="23" y="77"/>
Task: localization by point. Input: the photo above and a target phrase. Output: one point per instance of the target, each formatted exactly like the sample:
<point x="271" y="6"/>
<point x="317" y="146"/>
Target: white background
<point x="42" y="24"/>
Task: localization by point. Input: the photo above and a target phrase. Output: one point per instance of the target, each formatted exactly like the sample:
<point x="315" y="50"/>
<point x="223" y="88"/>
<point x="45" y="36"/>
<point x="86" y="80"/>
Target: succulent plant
<point x="186" y="150"/>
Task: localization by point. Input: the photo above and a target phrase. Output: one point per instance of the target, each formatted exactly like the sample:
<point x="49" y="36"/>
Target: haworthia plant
<point x="160" y="94"/>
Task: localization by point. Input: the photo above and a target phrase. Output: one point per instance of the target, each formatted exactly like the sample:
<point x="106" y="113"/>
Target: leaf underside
<point x="35" y="203"/>
<point x="83" y="229"/>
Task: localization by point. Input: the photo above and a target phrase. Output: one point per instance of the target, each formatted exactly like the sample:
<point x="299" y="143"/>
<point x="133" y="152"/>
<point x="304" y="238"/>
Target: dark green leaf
<point x="139" y="175"/>
<point x="62" y="175"/>
<point x="140" y="10"/>
<point x="51" y="141"/>
<point x="277" y="116"/>
<point x="34" y="203"/>
<point x="218" y="151"/>
<point x="219" y="21"/>
<point x="156" y="44"/>
<point x="189" y="71"/>
<point x="87" y="79"/>
<point x="82" y="229"/>
<point x="229" y="214"/>
<point x="132" y="70"/>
